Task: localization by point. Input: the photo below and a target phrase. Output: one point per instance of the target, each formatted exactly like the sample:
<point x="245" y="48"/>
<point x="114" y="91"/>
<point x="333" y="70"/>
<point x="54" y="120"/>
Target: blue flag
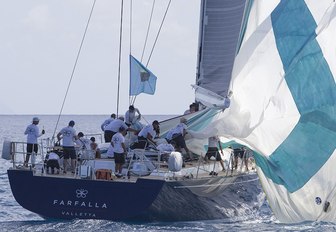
<point x="141" y="79"/>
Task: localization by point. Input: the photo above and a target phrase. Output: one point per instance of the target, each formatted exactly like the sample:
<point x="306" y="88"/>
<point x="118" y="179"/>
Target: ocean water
<point x="15" y="218"/>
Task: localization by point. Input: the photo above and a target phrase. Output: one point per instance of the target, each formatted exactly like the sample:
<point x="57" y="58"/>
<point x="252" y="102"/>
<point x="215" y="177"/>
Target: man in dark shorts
<point x="119" y="150"/>
<point x="32" y="132"/>
<point x="68" y="135"/>
<point x="177" y="135"/>
<point x="52" y="162"/>
<point x="240" y="153"/>
<point x="213" y="150"/>
<point x="112" y="128"/>
<point x="107" y="134"/>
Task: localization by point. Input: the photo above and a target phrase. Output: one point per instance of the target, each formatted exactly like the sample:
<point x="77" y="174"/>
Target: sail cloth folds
<point x="142" y="80"/>
<point x="208" y="98"/>
<point x="284" y="105"/>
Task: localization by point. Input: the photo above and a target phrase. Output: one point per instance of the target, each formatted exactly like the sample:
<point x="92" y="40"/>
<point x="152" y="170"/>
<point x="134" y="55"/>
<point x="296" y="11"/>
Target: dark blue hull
<point x="205" y="199"/>
<point x="67" y="198"/>
<point x="144" y="200"/>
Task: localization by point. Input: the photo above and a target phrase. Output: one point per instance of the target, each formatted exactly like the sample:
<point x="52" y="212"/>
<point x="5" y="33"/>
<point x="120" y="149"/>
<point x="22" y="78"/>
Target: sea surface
<point x="15" y="218"/>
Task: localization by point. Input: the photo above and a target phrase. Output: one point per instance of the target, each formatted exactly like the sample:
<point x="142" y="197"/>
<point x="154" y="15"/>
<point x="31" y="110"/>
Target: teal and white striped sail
<point x="284" y="105"/>
<point x="284" y="84"/>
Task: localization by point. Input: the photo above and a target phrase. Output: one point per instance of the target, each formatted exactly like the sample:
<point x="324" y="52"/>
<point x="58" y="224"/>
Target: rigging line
<point x="148" y="28"/>
<point x="130" y="44"/>
<point x="131" y="14"/>
<point x="213" y="185"/>
<point x="132" y="101"/>
<point x="133" y="98"/>
<point x="157" y="36"/>
<point x="74" y="68"/>
<point x="120" y="39"/>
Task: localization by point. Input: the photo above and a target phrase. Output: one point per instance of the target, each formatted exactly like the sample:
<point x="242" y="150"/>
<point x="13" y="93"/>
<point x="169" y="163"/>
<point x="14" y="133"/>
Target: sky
<point x="40" y="40"/>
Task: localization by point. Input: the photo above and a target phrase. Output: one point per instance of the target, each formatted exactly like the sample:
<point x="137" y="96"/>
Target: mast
<point x="200" y="42"/>
<point x="120" y="41"/>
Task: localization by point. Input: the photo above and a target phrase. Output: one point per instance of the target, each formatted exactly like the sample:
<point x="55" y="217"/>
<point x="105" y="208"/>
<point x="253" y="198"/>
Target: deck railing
<point x="18" y="152"/>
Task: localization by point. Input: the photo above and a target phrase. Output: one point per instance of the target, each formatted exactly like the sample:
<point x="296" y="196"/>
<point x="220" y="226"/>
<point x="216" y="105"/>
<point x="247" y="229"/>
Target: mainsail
<point x="220" y="29"/>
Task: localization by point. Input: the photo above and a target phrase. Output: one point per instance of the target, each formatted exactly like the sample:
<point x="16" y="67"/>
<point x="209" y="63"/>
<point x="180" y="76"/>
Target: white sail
<point x="283" y="106"/>
<point x="209" y="98"/>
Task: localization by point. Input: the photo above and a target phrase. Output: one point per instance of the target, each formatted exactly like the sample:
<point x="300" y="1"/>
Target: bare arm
<point x="59" y="136"/>
<point x="123" y="146"/>
<point x="26" y="131"/>
<point x="150" y="138"/>
<point x="133" y="130"/>
<point x="93" y="146"/>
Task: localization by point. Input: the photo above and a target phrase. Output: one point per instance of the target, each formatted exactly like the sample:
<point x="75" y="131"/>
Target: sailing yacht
<point x="277" y="61"/>
<point x="152" y="189"/>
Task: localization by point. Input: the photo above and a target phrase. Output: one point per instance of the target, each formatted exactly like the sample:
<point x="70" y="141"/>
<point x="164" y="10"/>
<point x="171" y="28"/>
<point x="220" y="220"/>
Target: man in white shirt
<point x="147" y="134"/>
<point x="112" y="128"/>
<point x="52" y="162"/>
<point x="104" y="124"/>
<point x="82" y="142"/>
<point x="119" y="150"/>
<point x="32" y="132"/>
<point x="68" y="136"/>
<point x="213" y="143"/>
<point x="177" y="135"/>
<point x="130" y="115"/>
<point x="83" y="147"/>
